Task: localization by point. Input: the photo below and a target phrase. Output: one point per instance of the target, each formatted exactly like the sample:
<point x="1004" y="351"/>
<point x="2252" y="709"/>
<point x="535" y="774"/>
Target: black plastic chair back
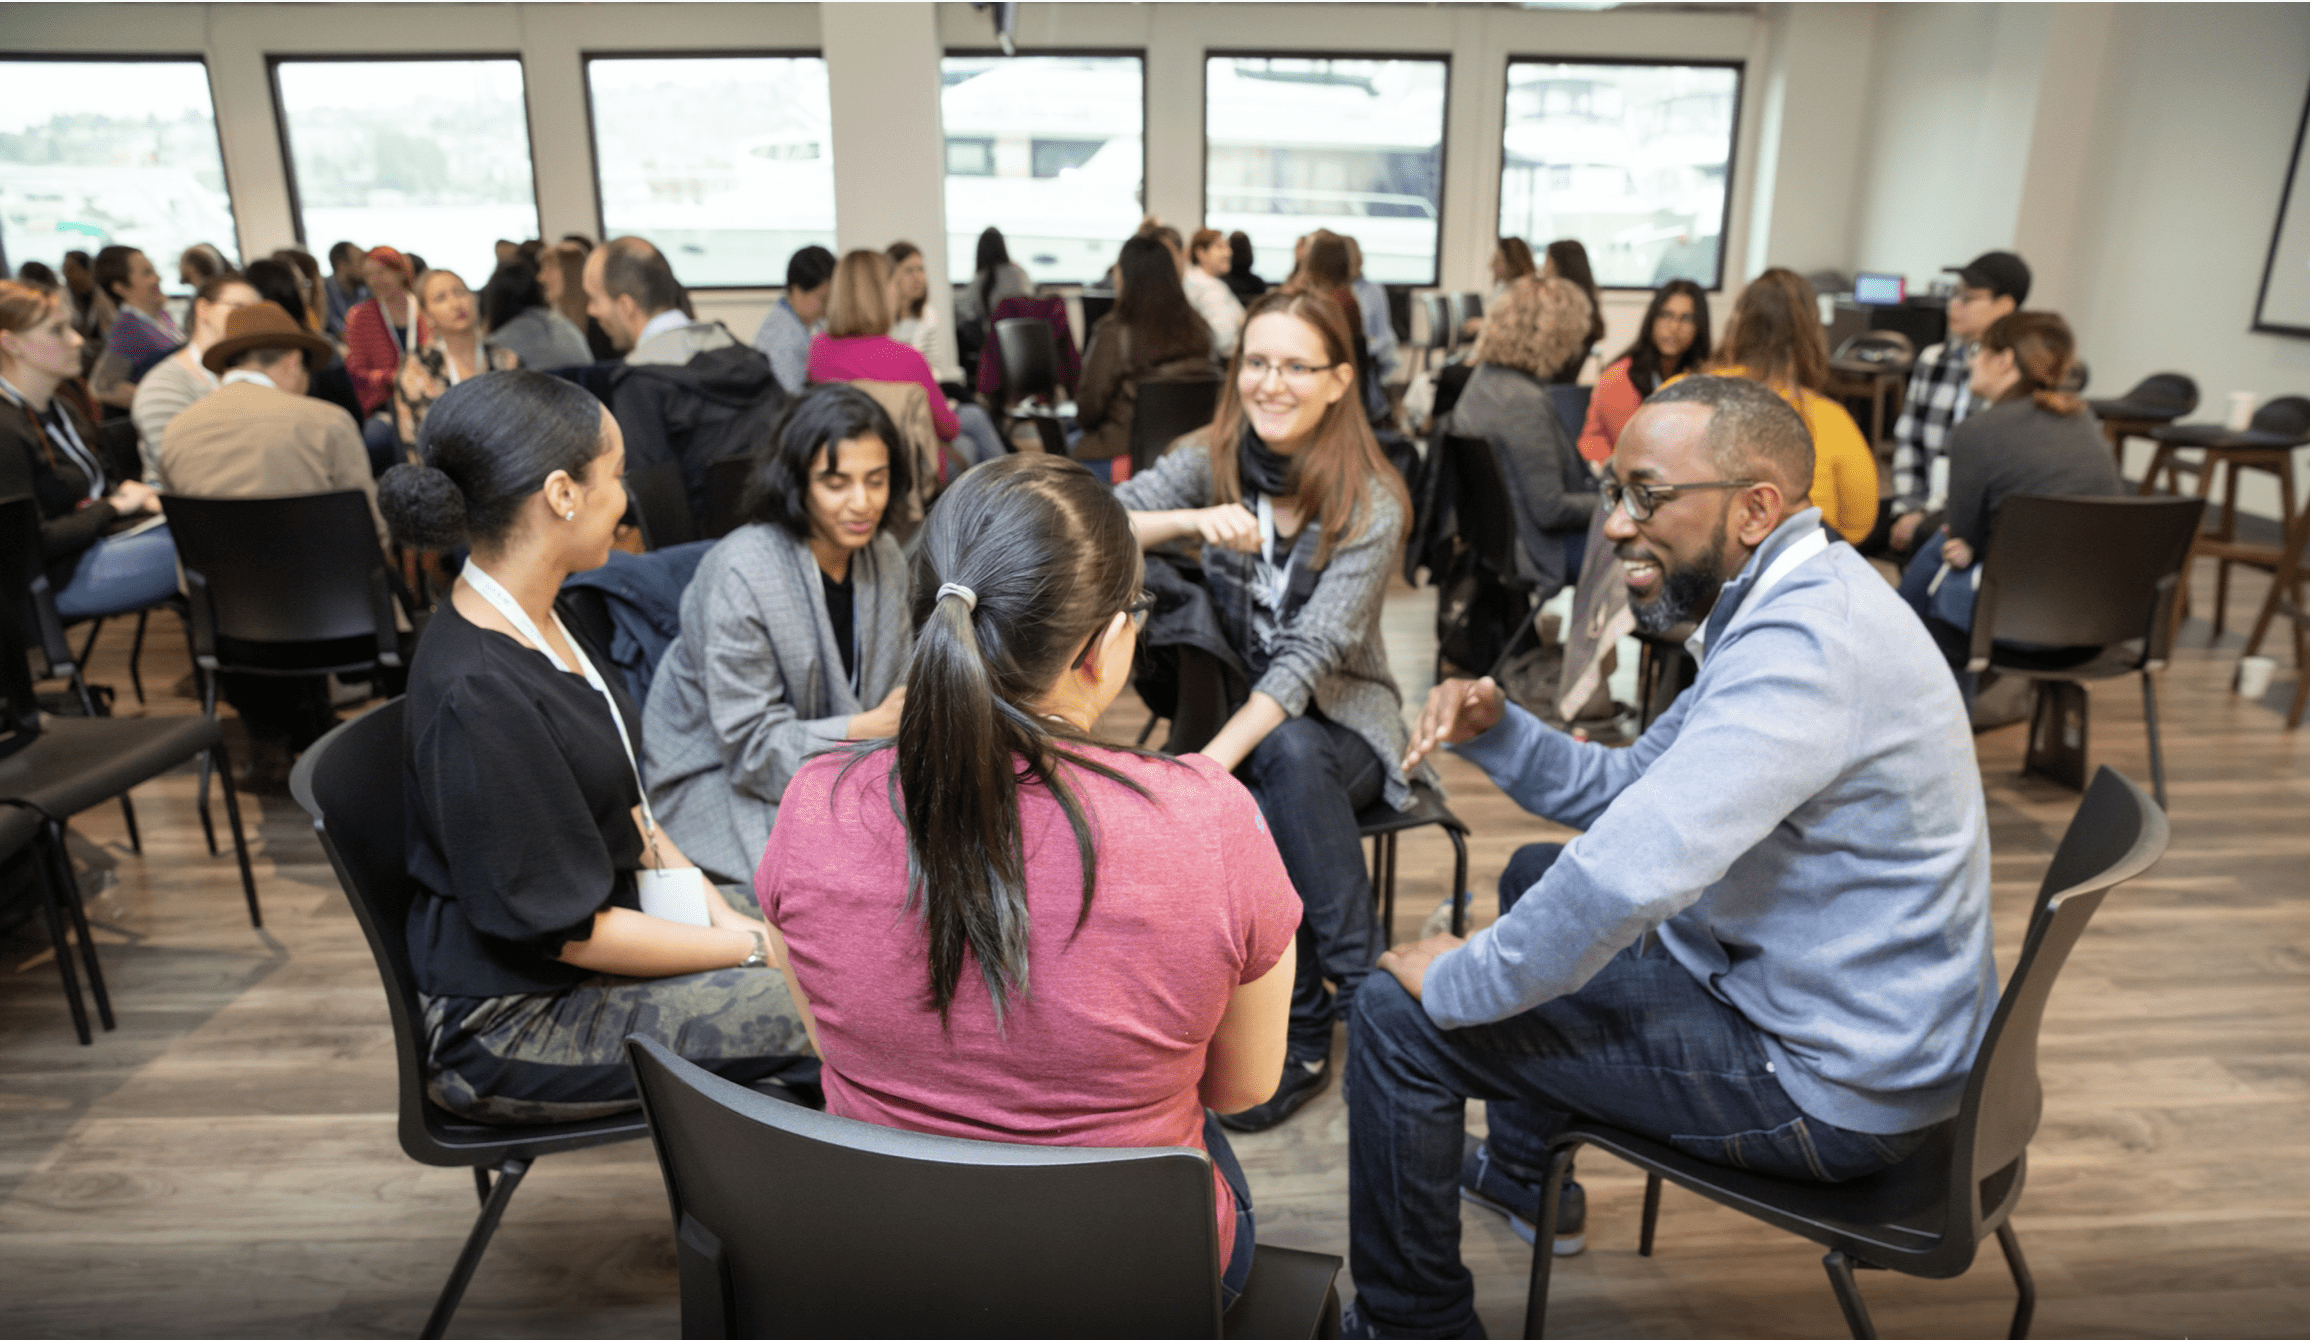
<point x="2082" y="572"/>
<point x="795" y="1222"/>
<point x="1029" y="350"/>
<point x="1480" y="508"/>
<point x="661" y="498"/>
<point x="297" y="569"/>
<point x="1436" y="311"/>
<point x="2117" y="833"/>
<point x="2171" y="392"/>
<point x="726" y="495"/>
<point x="1166" y="411"/>
<point x="1097" y="302"/>
<point x="1466" y="307"/>
<point x="19" y="564"/>
<point x="2286" y="416"/>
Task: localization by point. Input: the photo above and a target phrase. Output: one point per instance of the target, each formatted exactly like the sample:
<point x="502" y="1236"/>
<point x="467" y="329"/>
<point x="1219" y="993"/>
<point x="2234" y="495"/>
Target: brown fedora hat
<point x="264" y="325"/>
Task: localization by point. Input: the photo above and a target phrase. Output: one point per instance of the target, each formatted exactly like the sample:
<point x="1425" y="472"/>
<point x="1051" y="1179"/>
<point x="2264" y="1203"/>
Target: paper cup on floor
<point x="2241" y="411"/>
<point x="2254" y="675"/>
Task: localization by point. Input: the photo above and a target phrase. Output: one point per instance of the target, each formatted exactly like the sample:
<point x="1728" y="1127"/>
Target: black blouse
<point x="48" y="474"/>
<point x="520" y="811"/>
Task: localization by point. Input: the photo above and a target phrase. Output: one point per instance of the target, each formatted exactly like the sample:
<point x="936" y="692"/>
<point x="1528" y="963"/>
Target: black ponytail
<point x="489" y="443"/>
<point x="1023" y="562"/>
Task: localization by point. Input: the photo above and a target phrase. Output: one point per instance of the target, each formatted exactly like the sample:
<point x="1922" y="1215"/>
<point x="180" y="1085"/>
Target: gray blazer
<point x="1549" y="486"/>
<point x="753" y="687"/>
<point x="1329" y="653"/>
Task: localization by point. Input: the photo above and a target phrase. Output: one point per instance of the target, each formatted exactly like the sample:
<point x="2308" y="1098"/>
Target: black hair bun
<point x="424" y="507"/>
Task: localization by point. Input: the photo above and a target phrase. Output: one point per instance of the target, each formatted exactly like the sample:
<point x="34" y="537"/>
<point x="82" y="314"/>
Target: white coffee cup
<point x="2241" y="411"/>
<point x="2254" y="675"/>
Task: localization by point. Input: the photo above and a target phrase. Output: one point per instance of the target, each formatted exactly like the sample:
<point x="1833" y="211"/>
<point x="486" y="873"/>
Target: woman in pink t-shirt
<point x="1096" y="945"/>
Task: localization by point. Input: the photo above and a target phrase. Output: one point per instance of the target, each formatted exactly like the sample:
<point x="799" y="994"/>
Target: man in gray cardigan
<point x="1803" y="833"/>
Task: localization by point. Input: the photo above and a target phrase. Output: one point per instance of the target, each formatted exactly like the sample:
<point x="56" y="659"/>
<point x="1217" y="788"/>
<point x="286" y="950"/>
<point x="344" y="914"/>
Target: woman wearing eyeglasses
<point x="1301" y="519"/>
<point x="1001" y="927"/>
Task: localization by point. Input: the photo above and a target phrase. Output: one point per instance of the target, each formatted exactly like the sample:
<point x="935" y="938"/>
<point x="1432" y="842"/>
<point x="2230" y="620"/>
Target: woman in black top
<point x="51" y="454"/>
<point x="527" y="831"/>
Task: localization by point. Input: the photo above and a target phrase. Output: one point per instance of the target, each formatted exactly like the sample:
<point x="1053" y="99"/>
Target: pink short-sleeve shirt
<point x="1107" y="1046"/>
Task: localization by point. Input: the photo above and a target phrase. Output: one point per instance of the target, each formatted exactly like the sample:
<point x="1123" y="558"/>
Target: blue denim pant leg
<point x="1642" y="1046"/>
<point x="1310" y="776"/>
<point x="978" y="442"/>
<point x="1238" y="1272"/>
<point x="1956" y="643"/>
<point x="120" y="573"/>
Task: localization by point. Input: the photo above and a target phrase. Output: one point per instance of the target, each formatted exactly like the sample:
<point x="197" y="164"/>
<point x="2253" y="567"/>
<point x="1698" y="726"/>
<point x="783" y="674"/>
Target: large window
<point x="429" y="156"/>
<point x="726" y="163"/>
<point x="102" y="153"/>
<point x="1630" y="159"/>
<point x="1356" y="146"/>
<point x="1046" y="148"/>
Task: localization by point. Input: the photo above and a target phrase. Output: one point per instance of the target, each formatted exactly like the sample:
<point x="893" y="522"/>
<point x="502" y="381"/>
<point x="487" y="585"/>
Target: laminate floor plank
<point x="224" y="1164"/>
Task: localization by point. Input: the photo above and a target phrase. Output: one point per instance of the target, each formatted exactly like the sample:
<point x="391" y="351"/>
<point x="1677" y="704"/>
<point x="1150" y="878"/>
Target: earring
<point x="570" y="515"/>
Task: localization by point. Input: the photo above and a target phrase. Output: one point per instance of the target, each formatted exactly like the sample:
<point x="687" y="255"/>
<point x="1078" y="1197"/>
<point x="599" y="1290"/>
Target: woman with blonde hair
<point x="1301" y="519"/>
<point x="856" y="346"/>
<point x="455" y="351"/>
<point x="1774" y="337"/>
<point x="918" y="322"/>
<point x="1537" y="324"/>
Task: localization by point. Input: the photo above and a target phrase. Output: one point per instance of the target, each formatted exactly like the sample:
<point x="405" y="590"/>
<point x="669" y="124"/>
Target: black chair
<point x="726" y="495"/>
<point x="2268" y="443"/>
<point x="794" y="1222"/>
<point x="1166" y="410"/>
<point x="1431" y="335"/>
<point x="1466" y="307"/>
<point x="57" y="767"/>
<point x="2155" y="401"/>
<point x="1927" y="1215"/>
<point x="1029" y="350"/>
<point x="22" y="830"/>
<point x="351" y="783"/>
<point x="1097" y="302"/>
<point x="2100" y="574"/>
<point x="1482" y="605"/>
<point x="292" y="587"/>
<point x="659" y="498"/>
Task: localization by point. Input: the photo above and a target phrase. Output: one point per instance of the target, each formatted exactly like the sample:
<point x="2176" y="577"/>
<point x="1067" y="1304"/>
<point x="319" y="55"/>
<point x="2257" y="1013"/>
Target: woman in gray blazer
<point x="795" y="633"/>
<point x="1301" y="520"/>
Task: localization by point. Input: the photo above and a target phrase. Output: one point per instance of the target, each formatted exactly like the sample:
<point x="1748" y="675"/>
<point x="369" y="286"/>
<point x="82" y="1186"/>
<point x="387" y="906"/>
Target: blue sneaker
<point x="1482" y="1182"/>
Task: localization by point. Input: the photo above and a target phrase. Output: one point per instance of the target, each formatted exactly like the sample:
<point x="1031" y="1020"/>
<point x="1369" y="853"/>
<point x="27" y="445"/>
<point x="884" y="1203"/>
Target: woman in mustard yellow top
<point x="1775" y="338"/>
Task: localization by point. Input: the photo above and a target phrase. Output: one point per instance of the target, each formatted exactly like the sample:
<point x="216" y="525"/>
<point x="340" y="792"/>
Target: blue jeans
<point x="120" y="573"/>
<point x="1310" y="776"/>
<point x="978" y="442"/>
<point x="1642" y="1046"/>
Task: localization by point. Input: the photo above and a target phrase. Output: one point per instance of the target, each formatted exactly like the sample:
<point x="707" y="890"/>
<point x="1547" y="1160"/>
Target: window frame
<point x="1739" y="68"/>
<point x="586" y="58"/>
<point x="1136" y="53"/>
<point x="216" y="124"/>
<point x="275" y="59"/>
<point x="1443" y="141"/>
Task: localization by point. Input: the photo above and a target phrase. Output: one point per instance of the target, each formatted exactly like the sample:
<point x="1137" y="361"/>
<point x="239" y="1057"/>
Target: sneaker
<point x="1354" y="1325"/>
<point x="1484" y="1183"/>
<point x="1440" y="921"/>
<point x="1301" y="1081"/>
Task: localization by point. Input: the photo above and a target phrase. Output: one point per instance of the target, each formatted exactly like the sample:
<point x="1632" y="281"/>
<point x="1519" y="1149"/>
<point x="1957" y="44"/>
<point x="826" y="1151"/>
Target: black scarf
<point x="1262" y="471"/>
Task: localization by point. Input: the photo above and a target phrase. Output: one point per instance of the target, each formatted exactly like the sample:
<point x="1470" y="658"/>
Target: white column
<point x="889" y="149"/>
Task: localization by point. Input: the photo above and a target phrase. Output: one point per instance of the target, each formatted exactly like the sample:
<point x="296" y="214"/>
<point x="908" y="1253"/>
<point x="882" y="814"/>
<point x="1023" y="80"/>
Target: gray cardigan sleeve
<point x="1181" y="479"/>
<point x="764" y="740"/>
<point x="1342" y="609"/>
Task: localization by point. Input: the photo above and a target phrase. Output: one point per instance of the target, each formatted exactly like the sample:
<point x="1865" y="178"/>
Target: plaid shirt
<point x="1936" y="402"/>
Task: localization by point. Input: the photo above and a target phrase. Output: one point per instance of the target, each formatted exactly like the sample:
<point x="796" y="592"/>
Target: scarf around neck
<point x="1262" y="470"/>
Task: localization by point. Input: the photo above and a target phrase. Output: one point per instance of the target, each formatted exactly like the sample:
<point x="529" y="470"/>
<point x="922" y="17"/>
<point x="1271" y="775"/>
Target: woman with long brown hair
<point x="968" y="913"/>
<point x="1567" y="259"/>
<point x="1774" y="337"/>
<point x="918" y="322"/>
<point x="1301" y="520"/>
<point x="51" y="454"/>
<point x="856" y="346"/>
<point x="1154" y="334"/>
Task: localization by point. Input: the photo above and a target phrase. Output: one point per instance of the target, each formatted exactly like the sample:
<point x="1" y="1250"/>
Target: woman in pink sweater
<point x="856" y="346"/>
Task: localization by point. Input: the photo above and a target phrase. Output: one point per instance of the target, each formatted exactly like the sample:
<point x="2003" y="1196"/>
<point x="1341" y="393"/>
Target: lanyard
<point x="1273" y="576"/>
<point x="74" y="447"/>
<point x="491" y="590"/>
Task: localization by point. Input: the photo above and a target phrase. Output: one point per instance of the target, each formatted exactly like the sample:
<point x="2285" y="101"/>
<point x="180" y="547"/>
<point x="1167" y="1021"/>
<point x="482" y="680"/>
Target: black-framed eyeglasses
<point x="1139" y="607"/>
<point x="1642" y="500"/>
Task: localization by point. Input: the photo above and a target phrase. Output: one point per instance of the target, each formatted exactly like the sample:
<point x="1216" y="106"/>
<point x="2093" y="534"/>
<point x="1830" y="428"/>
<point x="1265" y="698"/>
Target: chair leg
<point x="218" y="757"/>
<point x="1544" y="1239"/>
<point x="2150" y="723"/>
<point x="67" y="889"/>
<point x="52" y="911"/>
<point x="88" y="644"/>
<point x="128" y="816"/>
<point x="1146" y="730"/>
<point x="240" y="840"/>
<point x="509" y="1175"/>
<point x="1462" y="897"/>
<point x="1388" y="883"/>
<point x="1840" y="1268"/>
<point x="136" y="655"/>
<point x="2026" y="1305"/>
<point x="1651" y="1214"/>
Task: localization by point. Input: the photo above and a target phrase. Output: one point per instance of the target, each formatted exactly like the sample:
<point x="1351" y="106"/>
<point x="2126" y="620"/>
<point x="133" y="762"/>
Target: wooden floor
<point x="225" y="1164"/>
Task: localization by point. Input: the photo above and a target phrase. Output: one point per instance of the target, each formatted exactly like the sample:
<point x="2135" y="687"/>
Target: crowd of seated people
<point x="843" y="737"/>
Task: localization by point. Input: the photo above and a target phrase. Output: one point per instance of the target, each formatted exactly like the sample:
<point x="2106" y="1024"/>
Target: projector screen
<point x="2284" y="306"/>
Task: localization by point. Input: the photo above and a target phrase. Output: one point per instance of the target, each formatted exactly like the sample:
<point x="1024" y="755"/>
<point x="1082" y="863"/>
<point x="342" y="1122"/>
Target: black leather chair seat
<point x="18" y="826"/>
<point x="2148" y="411"/>
<point x="2067" y="662"/>
<point x="2216" y="435"/>
<point x="79" y="762"/>
<point x="1427" y="808"/>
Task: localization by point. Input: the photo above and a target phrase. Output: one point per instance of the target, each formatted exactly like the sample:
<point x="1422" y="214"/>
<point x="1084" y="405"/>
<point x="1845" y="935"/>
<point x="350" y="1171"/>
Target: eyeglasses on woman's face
<point x="1256" y="368"/>
<point x="1139" y="608"/>
<point x="1642" y="500"/>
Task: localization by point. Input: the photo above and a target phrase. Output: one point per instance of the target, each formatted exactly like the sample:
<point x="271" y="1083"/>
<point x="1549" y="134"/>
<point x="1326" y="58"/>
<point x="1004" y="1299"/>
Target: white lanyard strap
<point x="73" y="446"/>
<point x="1275" y="576"/>
<point x="491" y="590"/>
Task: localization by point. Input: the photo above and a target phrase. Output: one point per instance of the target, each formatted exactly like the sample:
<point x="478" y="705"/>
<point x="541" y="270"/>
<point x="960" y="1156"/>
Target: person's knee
<point x="1525" y="869"/>
<point x="1296" y="749"/>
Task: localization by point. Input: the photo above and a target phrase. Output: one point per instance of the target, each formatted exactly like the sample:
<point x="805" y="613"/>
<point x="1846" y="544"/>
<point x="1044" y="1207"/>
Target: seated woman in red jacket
<point x="856" y="346"/>
<point x="378" y="333"/>
<point x="1672" y="341"/>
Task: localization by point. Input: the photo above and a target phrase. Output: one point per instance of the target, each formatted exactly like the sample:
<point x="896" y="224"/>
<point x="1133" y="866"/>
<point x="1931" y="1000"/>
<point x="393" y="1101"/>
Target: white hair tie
<point x="970" y="598"/>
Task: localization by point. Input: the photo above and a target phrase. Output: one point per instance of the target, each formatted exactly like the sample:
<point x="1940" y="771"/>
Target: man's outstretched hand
<point x="1410" y="963"/>
<point x="1458" y="711"/>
